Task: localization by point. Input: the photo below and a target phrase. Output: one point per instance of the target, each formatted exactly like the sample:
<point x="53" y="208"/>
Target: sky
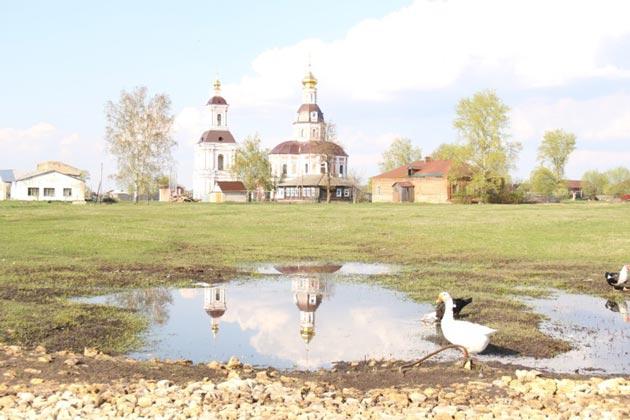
<point x="385" y="70"/>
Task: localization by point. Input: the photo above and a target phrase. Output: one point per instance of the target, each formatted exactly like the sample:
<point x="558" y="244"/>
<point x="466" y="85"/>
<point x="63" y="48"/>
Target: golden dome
<point x="217" y="86"/>
<point x="215" y="329"/>
<point x="309" y="80"/>
<point x="307" y="334"/>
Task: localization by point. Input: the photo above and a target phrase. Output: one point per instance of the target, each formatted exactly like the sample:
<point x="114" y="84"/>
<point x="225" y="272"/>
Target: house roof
<point x="231" y="186"/>
<point x="294" y="147"/>
<point x="7" y="175"/>
<point x="573" y="184"/>
<point x="217" y="136"/>
<point x="54" y="165"/>
<point x="419" y="168"/>
<point x="38" y="173"/>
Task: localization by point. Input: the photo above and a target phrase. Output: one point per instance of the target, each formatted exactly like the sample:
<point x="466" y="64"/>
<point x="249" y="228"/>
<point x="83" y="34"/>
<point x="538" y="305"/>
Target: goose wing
<point x="467" y="327"/>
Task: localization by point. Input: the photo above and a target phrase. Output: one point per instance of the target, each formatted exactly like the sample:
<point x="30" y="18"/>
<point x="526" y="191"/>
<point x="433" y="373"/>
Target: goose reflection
<point x="623" y="308"/>
<point x="214" y="305"/>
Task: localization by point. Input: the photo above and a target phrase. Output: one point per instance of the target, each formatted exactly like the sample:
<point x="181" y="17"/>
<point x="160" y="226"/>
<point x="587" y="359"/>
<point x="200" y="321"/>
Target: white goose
<point x="473" y="337"/>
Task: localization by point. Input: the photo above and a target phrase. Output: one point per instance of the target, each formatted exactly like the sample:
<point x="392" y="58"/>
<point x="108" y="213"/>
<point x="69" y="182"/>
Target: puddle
<point x="599" y="331"/>
<point x="310" y="316"/>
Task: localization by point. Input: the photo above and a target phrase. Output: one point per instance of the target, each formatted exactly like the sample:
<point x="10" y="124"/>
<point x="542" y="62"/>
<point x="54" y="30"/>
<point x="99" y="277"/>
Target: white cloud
<point x="431" y="44"/>
<point x="600" y="119"/>
<point x="27" y="139"/>
<point x="586" y="159"/>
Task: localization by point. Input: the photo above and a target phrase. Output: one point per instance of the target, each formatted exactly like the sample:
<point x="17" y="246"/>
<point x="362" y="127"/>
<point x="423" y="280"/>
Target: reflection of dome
<point x="307" y="269"/>
<point x="215" y="313"/>
<point x="307" y="334"/>
<point x="308" y="303"/>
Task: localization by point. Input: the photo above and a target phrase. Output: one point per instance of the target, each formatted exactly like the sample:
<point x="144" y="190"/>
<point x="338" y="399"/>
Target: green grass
<point x="491" y="252"/>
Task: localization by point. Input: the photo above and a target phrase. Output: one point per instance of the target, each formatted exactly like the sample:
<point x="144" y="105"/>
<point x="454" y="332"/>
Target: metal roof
<point x="7" y="175"/>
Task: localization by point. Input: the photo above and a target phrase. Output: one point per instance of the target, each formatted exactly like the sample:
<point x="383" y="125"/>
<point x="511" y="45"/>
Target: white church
<point x="214" y="155"/>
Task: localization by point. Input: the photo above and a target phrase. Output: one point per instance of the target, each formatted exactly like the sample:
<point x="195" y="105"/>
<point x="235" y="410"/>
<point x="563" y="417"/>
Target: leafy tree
<point x="138" y="134"/>
<point x="251" y="165"/>
<point x="543" y="181"/>
<point x="618" y="181"/>
<point x="450" y="151"/>
<point x="594" y="183"/>
<point x="400" y="152"/>
<point x="328" y="150"/>
<point x="555" y="149"/>
<point x="482" y="123"/>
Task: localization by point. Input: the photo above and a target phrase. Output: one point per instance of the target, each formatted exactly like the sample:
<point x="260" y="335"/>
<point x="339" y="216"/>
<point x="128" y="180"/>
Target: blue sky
<point x="386" y="69"/>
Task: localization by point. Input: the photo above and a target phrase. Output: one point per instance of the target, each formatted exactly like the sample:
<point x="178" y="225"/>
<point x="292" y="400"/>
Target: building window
<point x="284" y="169"/>
<point x="339" y="192"/>
<point x="340" y="169"/>
<point x="322" y="167"/>
<point x="67" y="192"/>
<point x="306" y="168"/>
<point x="33" y="192"/>
<point x="49" y="192"/>
<point x="220" y="162"/>
<point x="378" y="189"/>
<point x="218" y="119"/>
<point x="346" y="192"/>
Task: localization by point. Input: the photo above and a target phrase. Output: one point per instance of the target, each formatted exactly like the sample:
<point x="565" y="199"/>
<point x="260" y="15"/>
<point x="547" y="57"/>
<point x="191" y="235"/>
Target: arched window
<point x="284" y="169"/>
<point x="220" y="162"/>
<point x="218" y="119"/>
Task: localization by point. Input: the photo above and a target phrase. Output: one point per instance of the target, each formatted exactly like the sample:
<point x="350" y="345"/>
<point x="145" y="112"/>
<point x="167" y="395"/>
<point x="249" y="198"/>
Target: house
<point x="52" y="181"/>
<point x="228" y="192"/>
<point x="300" y="166"/>
<point x="575" y="188"/>
<point x="7" y="177"/>
<point x="424" y="181"/>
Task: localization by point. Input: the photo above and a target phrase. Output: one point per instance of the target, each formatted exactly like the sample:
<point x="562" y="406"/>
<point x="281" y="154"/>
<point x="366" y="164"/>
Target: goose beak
<point x="439" y="299"/>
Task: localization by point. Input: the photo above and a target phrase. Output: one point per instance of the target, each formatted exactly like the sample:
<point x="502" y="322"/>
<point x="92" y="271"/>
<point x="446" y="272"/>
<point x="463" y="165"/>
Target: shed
<point x="228" y="192"/>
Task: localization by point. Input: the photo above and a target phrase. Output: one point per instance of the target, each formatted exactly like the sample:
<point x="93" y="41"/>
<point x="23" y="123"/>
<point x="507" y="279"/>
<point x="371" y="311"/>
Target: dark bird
<point x="458" y="305"/>
<point x="618" y="280"/>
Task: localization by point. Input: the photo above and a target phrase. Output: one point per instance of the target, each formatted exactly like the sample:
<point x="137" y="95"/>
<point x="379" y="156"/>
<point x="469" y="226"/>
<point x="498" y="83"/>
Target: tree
<point x="543" y="181"/>
<point x="594" y="183"/>
<point x="138" y="134"/>
<point x="555" y="149"/>
<point x="400" y="152"/>
<point x="618" y="181"/>
<point x="328" y="150"/>
<point x="449" y="151"/>
<point x="482" y="122"/>
<point x="251" y="165"/>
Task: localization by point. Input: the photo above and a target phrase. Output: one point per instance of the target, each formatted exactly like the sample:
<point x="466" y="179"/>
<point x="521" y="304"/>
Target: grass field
<point x="49" y="252"/>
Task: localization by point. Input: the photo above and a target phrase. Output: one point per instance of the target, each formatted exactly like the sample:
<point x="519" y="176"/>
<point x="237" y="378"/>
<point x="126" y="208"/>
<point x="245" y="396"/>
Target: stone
<point x="417" y="397"/>
<point x="234" y="363"/>
<point x="214" y="365"/>
<point x="90" y="352"/>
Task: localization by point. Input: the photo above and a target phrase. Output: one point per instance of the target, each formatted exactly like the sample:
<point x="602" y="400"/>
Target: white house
<point x="215" y="151"/>
<point x="52" y="181"/>
<point x="6" y="179"/>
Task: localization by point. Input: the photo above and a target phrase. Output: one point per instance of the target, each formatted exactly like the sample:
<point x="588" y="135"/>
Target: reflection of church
<point x="214" y="305"/>
<point x="308" y="293"/>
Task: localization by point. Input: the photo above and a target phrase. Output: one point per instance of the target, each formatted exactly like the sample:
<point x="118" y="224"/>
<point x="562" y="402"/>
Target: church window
<point x="323" y="167"/>
<point x="284" y="169"/>
<point x="218" y="119"/>
<point x="220" y="162"/>
<point x="306" y="168"/>
<point x="340" y="169"/>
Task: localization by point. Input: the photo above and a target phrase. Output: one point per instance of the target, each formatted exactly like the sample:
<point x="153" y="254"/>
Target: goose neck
<point x="448" y="309"/>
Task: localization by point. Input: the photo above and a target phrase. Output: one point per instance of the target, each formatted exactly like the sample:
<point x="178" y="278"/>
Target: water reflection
<point x="214" y="305"/>
<point x="622" y="308"/>
<point x="152" y="303"/>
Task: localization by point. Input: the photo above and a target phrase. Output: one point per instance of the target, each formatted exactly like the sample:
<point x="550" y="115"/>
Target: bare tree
<point x="138" y="134"/>
<point x="328" y="150"/>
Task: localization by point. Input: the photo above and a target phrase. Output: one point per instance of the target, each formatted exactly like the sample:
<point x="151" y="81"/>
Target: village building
<point x="215" y="150"/>
<point x="7" y="177"/>
<point x="52" y="181"/>
<point x="301" y="167"/>
<point x="422" y="181"/>
<point x="228" y="192"/>
<point x="574" y="188"/>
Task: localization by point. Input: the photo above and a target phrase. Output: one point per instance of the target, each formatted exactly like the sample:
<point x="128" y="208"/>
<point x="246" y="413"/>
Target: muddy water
<point x="309" y="316"/>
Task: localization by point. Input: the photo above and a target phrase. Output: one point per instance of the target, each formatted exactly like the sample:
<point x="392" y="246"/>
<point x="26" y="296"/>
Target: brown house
<point x="575" y="188"/>
<point x="424" y="181"/>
